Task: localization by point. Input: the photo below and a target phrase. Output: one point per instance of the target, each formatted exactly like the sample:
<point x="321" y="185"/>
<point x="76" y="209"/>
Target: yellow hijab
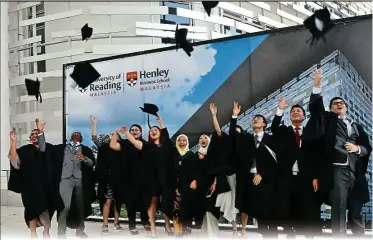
<point x="182" y="152"/>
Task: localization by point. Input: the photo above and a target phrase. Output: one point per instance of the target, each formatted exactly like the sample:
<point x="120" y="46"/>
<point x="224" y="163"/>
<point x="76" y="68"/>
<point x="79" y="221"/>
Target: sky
<point x="192" y="81"/>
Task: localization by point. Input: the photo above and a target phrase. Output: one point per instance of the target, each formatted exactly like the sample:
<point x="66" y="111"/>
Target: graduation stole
<point x="271" y="152"/>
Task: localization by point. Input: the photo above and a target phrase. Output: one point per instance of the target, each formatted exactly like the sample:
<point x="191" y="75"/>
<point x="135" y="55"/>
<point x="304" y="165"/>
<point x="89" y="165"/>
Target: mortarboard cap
<point x="86" y="32"/>
<point x="150" y="109"/>
<point x="318" y="24"/>
<point x="84" y="74"/>
<point x="208" y="5"/>
<point x="33" y="88"/>
<point x="180" y="37"/>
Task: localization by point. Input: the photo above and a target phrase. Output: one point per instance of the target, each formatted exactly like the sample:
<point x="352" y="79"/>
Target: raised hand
<point x="283" y="104"/>
<point x="160" y="121"/>
<point x="93" y="119"/>
<point x="13" y="136"/>
<point x="317" y="76"/>
<point x="213" y="109"/>
<point x="236" y="109"/>
<point x="40" y="126"/>
<point x="123" y="129"/>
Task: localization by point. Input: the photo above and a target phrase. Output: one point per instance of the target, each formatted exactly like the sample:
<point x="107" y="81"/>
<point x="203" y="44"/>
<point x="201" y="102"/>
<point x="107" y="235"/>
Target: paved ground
<point x="13" y="227"/>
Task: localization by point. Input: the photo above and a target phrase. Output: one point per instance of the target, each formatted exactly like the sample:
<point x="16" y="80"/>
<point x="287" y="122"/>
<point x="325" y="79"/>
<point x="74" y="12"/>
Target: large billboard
<point x="251" y="69"/>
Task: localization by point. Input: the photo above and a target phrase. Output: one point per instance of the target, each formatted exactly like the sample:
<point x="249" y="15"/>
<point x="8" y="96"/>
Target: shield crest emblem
<point x="131" y="78"/>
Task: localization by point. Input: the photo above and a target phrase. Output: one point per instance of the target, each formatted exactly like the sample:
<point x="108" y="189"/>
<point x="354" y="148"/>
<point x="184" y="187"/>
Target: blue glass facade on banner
<point x="339" y="79"/>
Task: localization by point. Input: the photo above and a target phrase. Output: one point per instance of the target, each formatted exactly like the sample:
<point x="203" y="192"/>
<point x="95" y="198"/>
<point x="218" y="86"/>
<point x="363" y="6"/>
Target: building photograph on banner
<point x="254" y="70"/>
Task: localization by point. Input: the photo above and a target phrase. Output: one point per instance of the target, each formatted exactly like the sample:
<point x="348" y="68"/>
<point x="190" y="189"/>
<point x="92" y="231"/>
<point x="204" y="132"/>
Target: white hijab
<point x="182" y="152"/>
<point x="203" y="150"/>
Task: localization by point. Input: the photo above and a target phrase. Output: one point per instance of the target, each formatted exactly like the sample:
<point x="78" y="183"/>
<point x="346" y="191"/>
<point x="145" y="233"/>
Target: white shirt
<point x="295" y="169"/>
<point x="260" y="138"/>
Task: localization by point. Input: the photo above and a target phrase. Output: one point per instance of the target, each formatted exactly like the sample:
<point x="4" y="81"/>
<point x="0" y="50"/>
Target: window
<point x="172" y="17"/>
<point x="40" y="31"/>
<point x="40" y="10"/>
<point x="29" y="32"/>
<point x="41" y="66"/>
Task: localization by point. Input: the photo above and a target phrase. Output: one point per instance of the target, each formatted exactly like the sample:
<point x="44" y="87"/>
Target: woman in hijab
<point x="189" y="173"/>
<point x="159" y="176"/>
<point x="104" y="170"/>
<point x="210" y="214"/>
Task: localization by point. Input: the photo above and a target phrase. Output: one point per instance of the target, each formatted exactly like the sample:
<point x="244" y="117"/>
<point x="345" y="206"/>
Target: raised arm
<point x="41" y="138"/>
<point x="214" y="111"/>
<point x="316" y="105"/>
<point x="114" y="141"/>
<point x="161" y="122"/>
<point x="233" y="124"/>
<point x="280" y="112"/>
<point x="138" y="144"/>
<point x="13" y="156"/>
<point x="95" y="139"/>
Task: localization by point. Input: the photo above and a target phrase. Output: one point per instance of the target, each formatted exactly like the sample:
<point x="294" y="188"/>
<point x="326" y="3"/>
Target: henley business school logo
<point x="131" y="78"/>
<point x="156" y="79"/>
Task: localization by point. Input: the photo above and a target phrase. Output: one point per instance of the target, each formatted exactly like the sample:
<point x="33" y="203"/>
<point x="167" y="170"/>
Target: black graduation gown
<point x="256" y="201"/>
<point x="221" y="154"/>
<point x="189" y="171"/>
<point x="107" y="165"/>
<point x="73" y="220"/>
<point x="160" y="173"/>
<point x="307" y="203"/>
<point x="205" y="180"/>
<point x="130" y="176"/>
<point x="322" y="127"/>
<point x="34" y="181"/>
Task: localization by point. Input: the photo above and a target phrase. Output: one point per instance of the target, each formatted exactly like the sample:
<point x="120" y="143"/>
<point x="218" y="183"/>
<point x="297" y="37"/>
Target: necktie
<point x="297" y="136"/>
<point x="74" y="147"/>
<point x="256" y="145"/>
<point x="256" y="140"/>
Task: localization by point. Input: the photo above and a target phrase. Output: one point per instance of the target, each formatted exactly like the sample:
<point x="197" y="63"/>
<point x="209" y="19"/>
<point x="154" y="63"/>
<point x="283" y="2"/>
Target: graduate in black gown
<point x="207" y="183"/>
<point x="31" y="175"/>
<point x="128" y="177"/>
<point x="159" y="176"/>
<point x="256" y="174"/>
<point x="188" y="185"/>
<point x="107" y="161"/>
<point x="222" y="152"/>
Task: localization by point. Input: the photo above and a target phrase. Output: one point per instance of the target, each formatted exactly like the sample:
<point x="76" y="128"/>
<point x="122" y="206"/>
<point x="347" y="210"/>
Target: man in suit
<point x="72" y="182"/>
<point x="297" y="176"/>
<point x="256" y="174"/>
<point x="346" y="154"/>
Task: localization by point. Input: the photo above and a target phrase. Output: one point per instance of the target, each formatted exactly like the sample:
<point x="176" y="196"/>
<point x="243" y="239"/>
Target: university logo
<point x="131" y="78"/>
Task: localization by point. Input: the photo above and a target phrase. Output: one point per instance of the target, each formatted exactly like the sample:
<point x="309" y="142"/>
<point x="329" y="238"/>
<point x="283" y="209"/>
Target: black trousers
<point x="298" y="206"/>
<point x="342" y="199"/>
<point x="132" y="217"/>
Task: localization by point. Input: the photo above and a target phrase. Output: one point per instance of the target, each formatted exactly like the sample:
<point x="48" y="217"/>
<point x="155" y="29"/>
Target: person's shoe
<point x="147" y="227"/>
<point x="105" y="230"/>
<point x="34" y="235"/>
<point x="133" y="230"/>
<point x="118" y="227"/>
<point x="61" y="235"/>
<point x="168" y="232"/>
<point x="81" y="234"/>
<point x="46" y="235"/>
